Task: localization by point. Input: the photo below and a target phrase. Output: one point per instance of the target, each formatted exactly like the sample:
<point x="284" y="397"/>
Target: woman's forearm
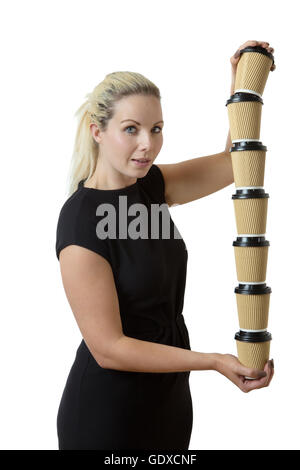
<point x="228" y="141"/>
<point x="130" y="354"/>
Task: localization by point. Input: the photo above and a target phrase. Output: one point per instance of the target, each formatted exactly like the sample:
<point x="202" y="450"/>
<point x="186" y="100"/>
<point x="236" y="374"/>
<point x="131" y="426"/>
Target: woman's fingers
<point x="248" y="385"/>
<point x="235" y="371"/>
<point x="271" y="50"/>
<point x="263" y="44"/>
<point x="251" y="372"/>
<point x="250" y="43"/>
<point x="246" y="44"/>
<point x="270" y="366"/>
<point x="254" y="384"/>
<point x="235" y="58"/>
<point x="269" y="369"/>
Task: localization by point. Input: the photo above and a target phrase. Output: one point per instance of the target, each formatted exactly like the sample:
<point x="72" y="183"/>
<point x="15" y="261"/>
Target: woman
<point x="124" y="276"/>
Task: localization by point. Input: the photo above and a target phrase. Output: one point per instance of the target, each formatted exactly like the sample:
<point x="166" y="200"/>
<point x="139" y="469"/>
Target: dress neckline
<point x="109" y="191"/>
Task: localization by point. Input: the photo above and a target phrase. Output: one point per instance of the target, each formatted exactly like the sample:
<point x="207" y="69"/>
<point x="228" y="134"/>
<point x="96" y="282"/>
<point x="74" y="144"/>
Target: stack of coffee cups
<point x="250" y="205"/>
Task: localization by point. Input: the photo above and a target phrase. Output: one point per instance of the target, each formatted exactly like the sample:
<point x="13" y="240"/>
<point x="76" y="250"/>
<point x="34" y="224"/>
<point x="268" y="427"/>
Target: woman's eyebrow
<point x="139" y="123"/>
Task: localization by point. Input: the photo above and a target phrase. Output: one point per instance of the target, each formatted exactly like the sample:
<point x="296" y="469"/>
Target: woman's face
<point x="125" y="140"/>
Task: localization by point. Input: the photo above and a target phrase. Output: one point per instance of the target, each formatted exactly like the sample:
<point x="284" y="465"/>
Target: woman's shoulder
<point x="73" y="207"/>
<point x="75" y="225"/>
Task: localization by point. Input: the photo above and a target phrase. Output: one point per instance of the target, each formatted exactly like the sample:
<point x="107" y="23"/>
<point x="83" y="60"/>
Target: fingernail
<point x="272" y="363"/>
<point x="237" y="54"/>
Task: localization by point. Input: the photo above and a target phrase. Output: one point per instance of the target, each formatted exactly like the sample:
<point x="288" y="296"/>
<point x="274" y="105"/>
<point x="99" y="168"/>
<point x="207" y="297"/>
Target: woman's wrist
<point x="209" y="361"/>
<point x="217" y="361"/>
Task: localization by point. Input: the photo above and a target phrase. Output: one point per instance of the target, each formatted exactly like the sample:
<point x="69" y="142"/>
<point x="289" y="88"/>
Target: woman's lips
<point x="141" y="163"/>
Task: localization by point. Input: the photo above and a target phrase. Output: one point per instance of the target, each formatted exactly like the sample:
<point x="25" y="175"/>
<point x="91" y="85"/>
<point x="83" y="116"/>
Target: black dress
<point x="114" y="409"/>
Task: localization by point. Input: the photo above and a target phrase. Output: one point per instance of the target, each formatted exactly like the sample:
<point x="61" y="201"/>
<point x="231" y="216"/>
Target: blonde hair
<point x="99" y="109"/>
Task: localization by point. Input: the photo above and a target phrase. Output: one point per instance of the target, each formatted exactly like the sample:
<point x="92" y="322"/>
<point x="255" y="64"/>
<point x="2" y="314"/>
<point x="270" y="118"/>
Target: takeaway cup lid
<point x="251" y="241"/>
<point x="250" y="193"/>
<point x="252" y="289"/>
<point x="253" y="337"/>
<point x="245" y="145"/>
<point x="241" y="96"/>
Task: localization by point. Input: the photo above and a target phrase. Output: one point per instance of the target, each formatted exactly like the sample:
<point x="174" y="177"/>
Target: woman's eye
<point x="130" y="127"/>
<point x="133" y="127"/>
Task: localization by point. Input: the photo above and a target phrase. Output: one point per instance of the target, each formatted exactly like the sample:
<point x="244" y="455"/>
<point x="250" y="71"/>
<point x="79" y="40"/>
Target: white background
<point x="53" y="53"/>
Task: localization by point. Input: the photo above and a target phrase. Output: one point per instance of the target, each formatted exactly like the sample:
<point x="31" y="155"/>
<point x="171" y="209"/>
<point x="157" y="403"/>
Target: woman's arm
<point x="90" y="288"/>
<point x="130" y="354"/>
<point x="145" y="356"/>
<point x="196" y="178"/>
<point x="193" y="179"/>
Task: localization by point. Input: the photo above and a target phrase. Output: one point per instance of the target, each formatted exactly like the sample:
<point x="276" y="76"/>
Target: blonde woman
<point x="123" y="265"/>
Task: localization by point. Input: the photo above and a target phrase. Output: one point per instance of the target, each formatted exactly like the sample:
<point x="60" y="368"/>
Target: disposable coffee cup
<point x="248" y="163"/>
<point x="253" y="301"/>
<point x="253" y="69"/>
<point x="244" y="113"/>
<point x="250" y="207"/>
<point x="253" y="348"/>
<point x="251" y="257"/>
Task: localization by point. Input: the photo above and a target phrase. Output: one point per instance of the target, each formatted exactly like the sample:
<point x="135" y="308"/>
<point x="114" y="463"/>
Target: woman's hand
<point x="229" y="366"/>
<point x="236" y="57"/>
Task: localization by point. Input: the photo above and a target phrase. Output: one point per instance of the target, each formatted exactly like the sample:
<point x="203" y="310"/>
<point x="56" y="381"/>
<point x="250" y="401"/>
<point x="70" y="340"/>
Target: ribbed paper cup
<point x="253" y="348"/>
<point x="253" y="69"/>
<point x="250" y="207"/>
<point x="251" y="257"/>
<point x="248" y="163"/>
<point x="253" y="306"/>
<point x="244" y="113"/>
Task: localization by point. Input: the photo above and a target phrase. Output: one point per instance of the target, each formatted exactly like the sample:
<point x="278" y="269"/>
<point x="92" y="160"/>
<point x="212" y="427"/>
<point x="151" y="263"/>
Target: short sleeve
<point x="76" y="226"/>
<point x="154" y="184"/>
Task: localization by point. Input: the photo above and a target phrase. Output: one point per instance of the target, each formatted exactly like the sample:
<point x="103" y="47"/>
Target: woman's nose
<point x="145" y="141"/>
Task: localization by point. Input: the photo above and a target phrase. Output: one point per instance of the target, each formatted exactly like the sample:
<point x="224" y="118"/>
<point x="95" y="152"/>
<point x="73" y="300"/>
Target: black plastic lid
<point x="253" y="337"/>
<point x="253" y="289"/>
<point x="245" y="145"/>
<point x="241" y="96"/>
<point x="251" y="241"/>
<point x="250" y="193"/>
<point x="259" y="49"/>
